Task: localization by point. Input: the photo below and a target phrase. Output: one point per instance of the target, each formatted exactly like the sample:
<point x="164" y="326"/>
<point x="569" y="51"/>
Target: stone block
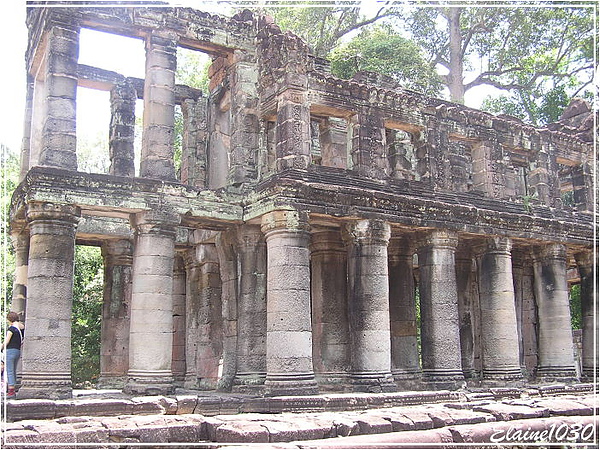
<point x="90" y="432"/>
<point x="185" y="428"/>
<point x="186" y="404"/>
<point x="30" y="409"/>
<point x="16" y="437"/>
<point x="151" y="429"/>
<point x="101" y="407"/>
<point x="564" y="407"/>
<point x="241" y="431"/>
<point x="502" y="411"/>
<point x="373" y="424"/>
<point x="420" y="418"/>
<point x="148" y="405"/>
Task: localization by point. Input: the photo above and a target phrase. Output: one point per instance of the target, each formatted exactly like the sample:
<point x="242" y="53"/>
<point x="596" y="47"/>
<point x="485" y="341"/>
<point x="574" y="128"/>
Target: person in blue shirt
<point x="12" y="350"/>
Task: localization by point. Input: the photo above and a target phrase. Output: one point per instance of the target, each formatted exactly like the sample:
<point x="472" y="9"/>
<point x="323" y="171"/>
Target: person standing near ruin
<point x="12" y="350"/>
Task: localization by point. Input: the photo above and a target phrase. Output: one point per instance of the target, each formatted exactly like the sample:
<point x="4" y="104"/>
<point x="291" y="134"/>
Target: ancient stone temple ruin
<point x="311" y="218"/>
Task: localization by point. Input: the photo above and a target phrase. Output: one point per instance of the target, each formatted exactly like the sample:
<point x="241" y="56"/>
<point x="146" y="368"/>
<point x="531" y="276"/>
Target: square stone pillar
<point x="293" y="131"/>
<point x="555" y="337"/>
<point x="589" y="311"/>
<point x="226" y="245"/>
<point x="331" y="344"/>
<point x="151" y="327"/>
<point x="195" y="142"/>
<point x="46" y="354"/>
<point x="583" y="186"/>
<point x="289" y="330"/>
<point x="468" y="312"/>
<point x="369" y="156"/>
<point x="59" y="142"/>
<point x="369" y="307"/>
<point x="252" y="308"/>
<point x="20" y="243"/>
<point x="406" y="364"/>
<point x="499" y="337"/>
<point x="178" y="360"/>
<point x="440" y="335"/>
<point x="159" y="108"/>
<point x="25" y="156"/>
<point x="122" y="129"/>
<point x="192" y="317"/>
<point x="114" y="346"/>
<point x="243" y="169"/>
<point x="526" y="309"/>
<point x="204" y="324"/>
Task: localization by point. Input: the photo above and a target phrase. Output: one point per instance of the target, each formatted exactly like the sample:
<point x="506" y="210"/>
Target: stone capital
<point x="249" y="236"/>
<point x="118" y="252"/>
<point x="402" y="246"/>
<point x="325" y="241"/>
<point x="53" y="212"/>
<point x="367" y="231"/>
<point x="285" y="220"/>
<point x="440" y="239"/>
<point x="494" y="245"/>
<point x="155" y="221"/>
<point x="585" y="262"/>
<point x="552" y="251"/>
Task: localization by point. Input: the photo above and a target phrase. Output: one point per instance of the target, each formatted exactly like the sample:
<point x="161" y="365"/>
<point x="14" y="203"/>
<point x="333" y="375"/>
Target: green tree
<point x="380" y="49"/>
<point x="324" y="27"/>
<point x="527" y="51"/>
<point x="10" y="179"/>
<point x="86" y="315"/>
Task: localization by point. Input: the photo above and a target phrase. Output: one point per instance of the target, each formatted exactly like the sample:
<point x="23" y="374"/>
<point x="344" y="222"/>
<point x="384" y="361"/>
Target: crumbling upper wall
<point x="272" y="106"/>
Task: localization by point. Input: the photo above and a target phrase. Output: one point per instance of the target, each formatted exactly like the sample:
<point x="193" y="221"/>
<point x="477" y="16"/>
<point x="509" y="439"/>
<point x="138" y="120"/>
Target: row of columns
<point x="292" y="286"/>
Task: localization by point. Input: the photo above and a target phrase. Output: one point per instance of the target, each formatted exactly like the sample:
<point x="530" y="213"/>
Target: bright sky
<point x="123" y="55"/>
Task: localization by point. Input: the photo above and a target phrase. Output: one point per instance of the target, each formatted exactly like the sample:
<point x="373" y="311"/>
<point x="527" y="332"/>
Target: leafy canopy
<point x="380" y="49"/>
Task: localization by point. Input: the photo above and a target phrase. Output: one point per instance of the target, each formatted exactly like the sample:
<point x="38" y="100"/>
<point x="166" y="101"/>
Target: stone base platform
<point x="335" y="420"/>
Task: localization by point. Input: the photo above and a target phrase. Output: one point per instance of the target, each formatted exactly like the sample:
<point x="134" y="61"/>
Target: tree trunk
<point x="455" y="77"/>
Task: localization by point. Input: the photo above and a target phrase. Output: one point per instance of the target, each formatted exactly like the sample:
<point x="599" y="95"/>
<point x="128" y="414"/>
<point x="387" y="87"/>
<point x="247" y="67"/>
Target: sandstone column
<point x="46" y="353"/>
<point x="122" y="129"/>
<point x="178" y="365"/>
<point x="440" y="336"/>
<point x="289" y="331"/>
<point x="114" y="349"/>
<point x="499" y="337"/>
<point x="151" y="329"/>
<point x="210" y="310"/>
<point x="25" y="156"/>
<point x="329" y="307"/>
<point x="369" y="311"/>
<point x="252" y="307"/>
<point x="159" y="108"/>
<point x="585" y="263"/>
<point x="20" y="241"/>
<point x="526" y="309"/>
<point x="192" y="318"/>
<point x="403" y="312"/>
<point x="468" y="311"/>
<point x="58" y="145"/>
<point x="555" y="338"/>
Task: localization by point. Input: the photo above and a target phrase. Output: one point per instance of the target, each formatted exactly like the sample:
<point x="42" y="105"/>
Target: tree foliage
<point x="323" y="26"/>
<point x="380" y="49"/>
<point x="542" y="56"/>
<point x="87" y="314"/>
